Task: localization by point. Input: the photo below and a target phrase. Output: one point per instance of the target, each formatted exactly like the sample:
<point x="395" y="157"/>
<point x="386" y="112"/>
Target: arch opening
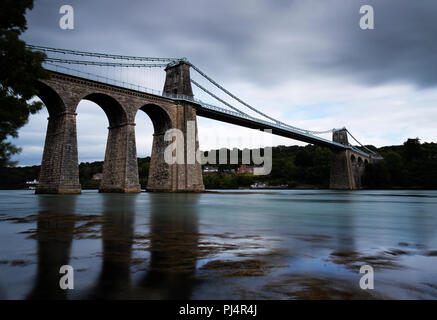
<point x="353" y="159"/>
<point x="111" y="174"/>
<point x="31" y="137"/>
<point x="92" y="131"/>
<point x="149" y="134"/>
<point x="114" y="111"/>
<point x="159" y="117"/>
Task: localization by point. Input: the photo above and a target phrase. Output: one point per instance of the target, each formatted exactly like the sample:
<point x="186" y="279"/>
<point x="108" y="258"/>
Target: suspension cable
<point x="216" y="97"/>
<point x="108" y="80"/>
<point x="371" y="151"/>
<point x="168" y="61"/>
<point x="108" y="64"/>
<point x="253" y="108"/>
<point x="231" y="95"/>
<point x="99" y="55"/>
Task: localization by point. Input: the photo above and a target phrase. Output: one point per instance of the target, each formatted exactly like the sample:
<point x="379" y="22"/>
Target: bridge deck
<point x="216" y="113"/>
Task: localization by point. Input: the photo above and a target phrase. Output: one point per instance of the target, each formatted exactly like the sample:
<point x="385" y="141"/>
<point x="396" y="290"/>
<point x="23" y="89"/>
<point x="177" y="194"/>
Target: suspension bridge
<point x="103" y="79"/>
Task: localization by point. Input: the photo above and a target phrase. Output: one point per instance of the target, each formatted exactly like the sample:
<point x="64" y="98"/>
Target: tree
<point x="376" y="175"/>
<point x="395" y="167"/>
<point x="413" y="149"/>
<point x="19" y="70"/>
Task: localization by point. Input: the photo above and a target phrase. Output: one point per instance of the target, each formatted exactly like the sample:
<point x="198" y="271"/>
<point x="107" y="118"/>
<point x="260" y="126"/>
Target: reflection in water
<point x="345" y="217"/>
<point x="174" y="246"/>
<point x="287" y="244"/>
<point x="416" y="221"/>
<point x="55" y="229"/>
<point x="117" y="236"/>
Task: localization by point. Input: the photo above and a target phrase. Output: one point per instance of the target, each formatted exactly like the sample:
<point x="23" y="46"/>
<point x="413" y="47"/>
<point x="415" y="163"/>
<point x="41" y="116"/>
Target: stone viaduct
<point x="61" y="94"/>
<point x="59" y="168"/>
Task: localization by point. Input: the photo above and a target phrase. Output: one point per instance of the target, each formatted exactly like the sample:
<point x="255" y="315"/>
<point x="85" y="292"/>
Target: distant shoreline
<point x="260" y="190"/>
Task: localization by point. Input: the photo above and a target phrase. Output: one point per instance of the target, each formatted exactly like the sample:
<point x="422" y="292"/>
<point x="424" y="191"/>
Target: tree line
<point x="412" y="165"/>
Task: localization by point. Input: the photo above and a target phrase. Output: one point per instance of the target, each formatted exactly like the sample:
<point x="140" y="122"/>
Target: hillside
<point x="407" y="166"/>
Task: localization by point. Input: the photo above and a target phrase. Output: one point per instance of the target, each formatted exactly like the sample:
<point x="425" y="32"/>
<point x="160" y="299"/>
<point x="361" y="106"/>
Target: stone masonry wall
<point x="59" y="170"/>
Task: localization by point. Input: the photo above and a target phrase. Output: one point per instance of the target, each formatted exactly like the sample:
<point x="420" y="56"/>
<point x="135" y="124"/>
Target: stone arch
<point x="360" y="161"/>
<point x="59" y="170"/>
<point x="353" y="159"/>
<point x="366" y="162"/>
<point x="51" y="99"/>
<point x="114" y="111"/>
<point x="120" y="168"/>
<point x="160" y="172"/>
<point x="161" y="120"/>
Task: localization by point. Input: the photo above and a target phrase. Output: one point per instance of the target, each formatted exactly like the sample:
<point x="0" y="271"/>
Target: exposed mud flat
<point x="316" y="287"/>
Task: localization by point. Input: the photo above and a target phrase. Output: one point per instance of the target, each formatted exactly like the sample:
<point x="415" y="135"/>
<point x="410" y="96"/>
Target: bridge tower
<point x="347" y="166"/>
<point x="186" y="177"/>
<point x="177" y="79"/>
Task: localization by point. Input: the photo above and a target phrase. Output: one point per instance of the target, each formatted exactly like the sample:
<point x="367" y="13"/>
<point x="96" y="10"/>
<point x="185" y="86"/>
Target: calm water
<point x="262" y="245"/>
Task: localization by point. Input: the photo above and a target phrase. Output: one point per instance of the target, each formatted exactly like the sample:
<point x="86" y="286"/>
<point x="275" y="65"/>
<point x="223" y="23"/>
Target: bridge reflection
<point x="117" y="232"/>
<point x="174" y="246"/>
<point x="168" y="274"/>
<point x="55" y="230"/>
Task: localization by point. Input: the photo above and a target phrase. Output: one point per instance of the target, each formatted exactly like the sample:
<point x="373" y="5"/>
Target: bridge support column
<point x="347" y="167"/>
<point x="177" y="177"/>
<point x="120" y="169"/>
<point x="342" y="175"/>
<point x="59" y="167"/>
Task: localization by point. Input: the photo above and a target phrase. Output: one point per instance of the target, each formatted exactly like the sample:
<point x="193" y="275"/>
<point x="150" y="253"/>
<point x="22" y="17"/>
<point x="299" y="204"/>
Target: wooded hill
<point x="412" y="165"/>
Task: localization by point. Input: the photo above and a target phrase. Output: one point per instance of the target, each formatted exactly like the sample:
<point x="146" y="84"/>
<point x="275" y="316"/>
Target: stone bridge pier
<point x="59" y="167"/>
<point x="184" y="177"/>
<point x="347" y="166"/>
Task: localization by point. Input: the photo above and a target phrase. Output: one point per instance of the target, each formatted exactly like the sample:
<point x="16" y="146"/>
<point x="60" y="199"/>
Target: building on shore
<point x="243" y="169"/>
<point x="209" y="169"/>
<point x="31" y="185"/>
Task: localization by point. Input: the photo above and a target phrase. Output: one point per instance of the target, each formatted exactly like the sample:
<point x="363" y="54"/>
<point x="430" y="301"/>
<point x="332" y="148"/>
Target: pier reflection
<point x="174" y="246"/>
<point x="54" y="234"/>
<point x="173" y="243"/>
<point x="114" y="281"/>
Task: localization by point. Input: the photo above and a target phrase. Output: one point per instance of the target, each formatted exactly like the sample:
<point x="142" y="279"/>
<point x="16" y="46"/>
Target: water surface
<point x="276" y="244"/>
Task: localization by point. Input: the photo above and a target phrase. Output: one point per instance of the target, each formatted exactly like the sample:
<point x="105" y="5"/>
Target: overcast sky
<point x="306" y="62"/>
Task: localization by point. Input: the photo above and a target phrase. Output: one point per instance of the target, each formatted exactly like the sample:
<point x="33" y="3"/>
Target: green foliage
<point x="412" y="149"/>
<point x="87" y="171"/>
<point x="143" y="171"/>
<point x="377" y="175"/>
<point x="412" y="165"/>
<point x="19" y="70"/>
<point x="296" y="166"/>
<point x="15" y="178"/>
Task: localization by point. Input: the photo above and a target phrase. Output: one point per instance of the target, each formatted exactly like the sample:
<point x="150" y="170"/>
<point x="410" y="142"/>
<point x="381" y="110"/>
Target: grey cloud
<point x="263" y="42"/>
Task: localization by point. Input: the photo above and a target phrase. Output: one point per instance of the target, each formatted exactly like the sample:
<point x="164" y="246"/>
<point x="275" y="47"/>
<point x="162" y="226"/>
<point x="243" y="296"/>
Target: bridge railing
<point x="248" y="117"/>
<point x="99" y="78"/>
<point x="109" y="81"/>
<point x="267" y="123"/>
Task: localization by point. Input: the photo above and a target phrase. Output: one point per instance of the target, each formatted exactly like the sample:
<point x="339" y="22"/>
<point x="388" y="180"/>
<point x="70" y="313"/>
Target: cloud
<point x="306" y="62"/>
